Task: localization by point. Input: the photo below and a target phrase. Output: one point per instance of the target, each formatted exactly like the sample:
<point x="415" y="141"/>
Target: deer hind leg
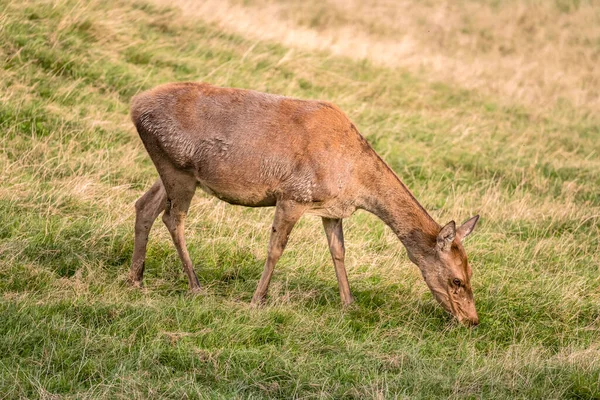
<point x="335" y="238"/>
<point x="287" y="213"/>
<point x="180" y="188"/>
<point x="147" y="209"/>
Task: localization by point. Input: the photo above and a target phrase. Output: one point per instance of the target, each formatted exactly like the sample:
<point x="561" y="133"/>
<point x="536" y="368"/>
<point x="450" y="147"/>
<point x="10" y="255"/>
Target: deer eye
<point x="457" y="282"/>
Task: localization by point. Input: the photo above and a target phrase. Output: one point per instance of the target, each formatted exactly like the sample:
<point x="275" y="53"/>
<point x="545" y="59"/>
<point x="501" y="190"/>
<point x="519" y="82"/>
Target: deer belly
<point x="248" y="196"/>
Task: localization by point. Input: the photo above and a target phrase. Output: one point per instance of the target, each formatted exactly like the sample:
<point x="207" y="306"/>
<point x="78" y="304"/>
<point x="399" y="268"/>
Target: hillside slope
<point x="71" y="167"/>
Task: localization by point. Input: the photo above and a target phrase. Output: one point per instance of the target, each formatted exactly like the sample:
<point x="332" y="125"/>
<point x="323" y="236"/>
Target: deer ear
<point x="446" y="236"/>
<point x="466" y="228"/>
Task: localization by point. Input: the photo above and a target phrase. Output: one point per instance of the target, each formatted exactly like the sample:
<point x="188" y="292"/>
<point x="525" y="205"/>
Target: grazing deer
<point x="258" y="150"/>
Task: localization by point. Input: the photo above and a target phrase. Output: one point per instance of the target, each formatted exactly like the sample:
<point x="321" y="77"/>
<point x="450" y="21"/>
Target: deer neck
<point x="390" y="200"/>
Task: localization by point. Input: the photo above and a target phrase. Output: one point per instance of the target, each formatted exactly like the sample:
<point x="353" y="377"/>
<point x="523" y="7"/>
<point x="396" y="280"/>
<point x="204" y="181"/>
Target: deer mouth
<point x="465" y="317"/>
<point x="454" y="307"/>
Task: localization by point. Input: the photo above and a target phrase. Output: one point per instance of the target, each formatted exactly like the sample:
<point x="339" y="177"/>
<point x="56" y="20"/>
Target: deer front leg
<point x="287" y="213"/>
<point x="335" y="238"/>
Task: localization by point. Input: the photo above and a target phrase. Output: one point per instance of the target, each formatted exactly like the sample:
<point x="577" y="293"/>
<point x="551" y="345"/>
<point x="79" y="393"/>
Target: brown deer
<point x="300" y="156"/>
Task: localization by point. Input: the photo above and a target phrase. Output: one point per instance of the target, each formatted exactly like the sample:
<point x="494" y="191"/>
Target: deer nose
<point x="470" y="322"/>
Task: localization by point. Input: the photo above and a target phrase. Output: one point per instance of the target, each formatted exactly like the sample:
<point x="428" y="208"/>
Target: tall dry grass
<point x="534" y="52"/>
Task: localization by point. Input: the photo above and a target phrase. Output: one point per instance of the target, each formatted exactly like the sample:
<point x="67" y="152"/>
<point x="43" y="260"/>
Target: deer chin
<point x="443" y="298"/>
<point x="463" y="310"/>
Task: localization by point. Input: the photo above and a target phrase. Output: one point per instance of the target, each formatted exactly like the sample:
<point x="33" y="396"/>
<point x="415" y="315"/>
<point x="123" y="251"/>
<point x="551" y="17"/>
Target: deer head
<point x="448" y="273"/>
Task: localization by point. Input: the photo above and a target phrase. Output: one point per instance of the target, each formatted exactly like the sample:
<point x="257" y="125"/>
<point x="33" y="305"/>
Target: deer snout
<point x="469" y="321"/>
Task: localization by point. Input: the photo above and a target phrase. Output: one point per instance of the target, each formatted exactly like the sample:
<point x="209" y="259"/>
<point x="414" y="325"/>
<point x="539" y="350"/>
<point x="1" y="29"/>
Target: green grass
<point x="71" y="166"/>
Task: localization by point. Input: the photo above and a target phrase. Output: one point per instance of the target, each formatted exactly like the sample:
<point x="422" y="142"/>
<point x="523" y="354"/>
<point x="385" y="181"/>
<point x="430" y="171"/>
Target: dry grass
<point x="534" y="52"/>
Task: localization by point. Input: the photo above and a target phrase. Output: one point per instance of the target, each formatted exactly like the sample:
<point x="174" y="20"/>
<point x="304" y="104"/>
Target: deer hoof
<point x="197" y="291"/>
<point x="258" y="301"/>
<point x="135" y="283"/>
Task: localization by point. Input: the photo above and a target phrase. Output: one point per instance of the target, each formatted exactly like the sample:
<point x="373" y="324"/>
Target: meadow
<point x="480" y="107"/>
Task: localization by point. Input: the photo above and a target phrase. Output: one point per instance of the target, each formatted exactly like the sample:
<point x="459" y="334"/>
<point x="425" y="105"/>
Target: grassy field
<point x="520" y="147"/>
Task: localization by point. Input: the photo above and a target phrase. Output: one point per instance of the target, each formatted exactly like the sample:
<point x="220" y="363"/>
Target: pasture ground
<point x="520" y="146"/>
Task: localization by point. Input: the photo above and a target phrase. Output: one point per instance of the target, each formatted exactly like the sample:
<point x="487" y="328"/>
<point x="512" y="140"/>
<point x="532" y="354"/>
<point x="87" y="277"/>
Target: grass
<point x="532" y="51"/>
<point x="71" y="167"/>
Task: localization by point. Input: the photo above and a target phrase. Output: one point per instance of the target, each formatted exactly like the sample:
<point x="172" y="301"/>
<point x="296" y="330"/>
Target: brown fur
<point x="256" y="149"/>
